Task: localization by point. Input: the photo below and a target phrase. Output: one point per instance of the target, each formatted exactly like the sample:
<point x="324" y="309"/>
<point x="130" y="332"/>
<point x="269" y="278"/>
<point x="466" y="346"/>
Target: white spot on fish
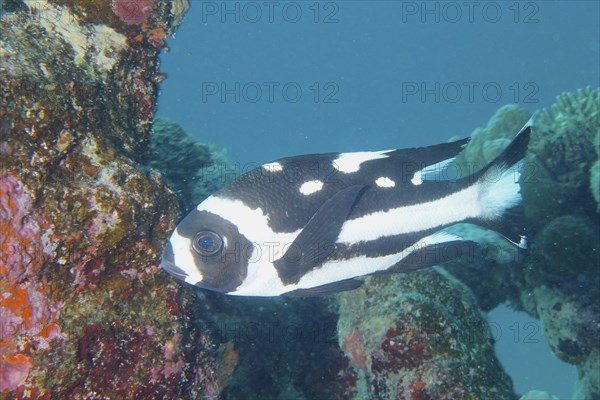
<point x="385" y="182"/>
<point x="440" y="171"/>
<point x="416" y="179"/>
<point x="311" y="187"/>
<point x="350" y="162"/>
<point x="273" y="167"/>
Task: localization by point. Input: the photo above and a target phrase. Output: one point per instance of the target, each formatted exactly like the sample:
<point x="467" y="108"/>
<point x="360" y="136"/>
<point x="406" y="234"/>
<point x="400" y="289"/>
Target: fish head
<point x="207" y="251"/>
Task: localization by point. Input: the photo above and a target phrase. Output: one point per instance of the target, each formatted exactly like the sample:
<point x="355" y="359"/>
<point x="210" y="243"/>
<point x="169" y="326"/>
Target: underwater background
<point x="310" y="77"/>
<point x="119" y="116"/>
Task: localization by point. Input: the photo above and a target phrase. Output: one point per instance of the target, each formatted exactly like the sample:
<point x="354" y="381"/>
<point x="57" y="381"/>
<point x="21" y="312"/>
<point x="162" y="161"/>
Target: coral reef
<point x="193" y="170"/>
<point x="419" y="336"/>
<point x="595" y="180"/>
<point x="558" y="279"/>
<point x="567" y="133"/>
<point x="89" y="193"/>
<point x="488" y="141"/>
<point x="86" y="311"/>
<point x="565" y="146"/>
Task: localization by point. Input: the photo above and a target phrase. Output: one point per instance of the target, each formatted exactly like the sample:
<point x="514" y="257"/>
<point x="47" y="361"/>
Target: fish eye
<point x="207" y="243"/>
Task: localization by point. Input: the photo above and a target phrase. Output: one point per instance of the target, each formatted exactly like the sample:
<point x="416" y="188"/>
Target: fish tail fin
<point x="500" y="190"/>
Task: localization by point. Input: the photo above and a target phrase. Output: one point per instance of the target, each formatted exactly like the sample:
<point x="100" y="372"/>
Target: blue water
<point x="304" y="77"/>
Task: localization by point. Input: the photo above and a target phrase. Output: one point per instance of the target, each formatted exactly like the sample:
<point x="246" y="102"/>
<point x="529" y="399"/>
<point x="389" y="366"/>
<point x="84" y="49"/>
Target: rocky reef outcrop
<point x="419" y="336"/>
<point x="558" y="279"/>
<point x="86" y="311"/>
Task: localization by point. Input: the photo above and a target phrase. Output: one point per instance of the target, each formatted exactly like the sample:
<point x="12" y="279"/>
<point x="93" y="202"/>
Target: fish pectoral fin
<point x="434" y="254"/>
<point x="330" y="288"/>
<point x="317" y="240"/>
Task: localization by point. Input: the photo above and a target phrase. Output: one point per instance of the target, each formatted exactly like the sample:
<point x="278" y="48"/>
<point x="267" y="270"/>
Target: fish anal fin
<point x="330" y="288"/>
<point x="510" y="226"/>
<point x="434" y="254"/>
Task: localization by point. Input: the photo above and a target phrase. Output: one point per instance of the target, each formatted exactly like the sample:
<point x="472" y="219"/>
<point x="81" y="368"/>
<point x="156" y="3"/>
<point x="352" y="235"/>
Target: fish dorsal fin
<point x="317" y="240"/>
<point x="433" y="154"/>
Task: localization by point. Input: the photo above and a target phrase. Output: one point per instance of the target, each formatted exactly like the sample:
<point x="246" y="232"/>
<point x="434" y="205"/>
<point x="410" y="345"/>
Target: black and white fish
<point x="309" y="225"/>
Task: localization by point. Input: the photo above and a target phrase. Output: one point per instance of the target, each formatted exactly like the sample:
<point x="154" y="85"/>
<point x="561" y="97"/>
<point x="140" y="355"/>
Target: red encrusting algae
<point x="132" y="12"/>
<point x="14" y="369"/>
<point x="353" y="347"/>
<point x="27" y="311"/>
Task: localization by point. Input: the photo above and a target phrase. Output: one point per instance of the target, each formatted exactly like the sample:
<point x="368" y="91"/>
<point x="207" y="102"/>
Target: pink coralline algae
<point x="15" y="369"/>
<point x="352" y="345"/>
<point x="27" y="313"/>
<point x="20" y="232"/>
<point x="132" y="12"/>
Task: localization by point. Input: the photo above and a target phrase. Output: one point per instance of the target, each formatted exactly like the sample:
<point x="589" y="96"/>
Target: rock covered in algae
<point x="565" y="147"/>
<point x="85" y="308"/>
<point x="595" y="180"/>
<point x="286" y="347"/>
<point x="419" y="336"/>
<point x="558" y="279"/>
<point x="489" y="141"/>
<point x="560" y="285"/>
<point x="588" y="385"/>
<point x="192" y="169"/>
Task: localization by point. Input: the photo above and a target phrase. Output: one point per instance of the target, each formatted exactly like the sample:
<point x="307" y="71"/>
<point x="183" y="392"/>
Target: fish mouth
<point x="168" y="263"/>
